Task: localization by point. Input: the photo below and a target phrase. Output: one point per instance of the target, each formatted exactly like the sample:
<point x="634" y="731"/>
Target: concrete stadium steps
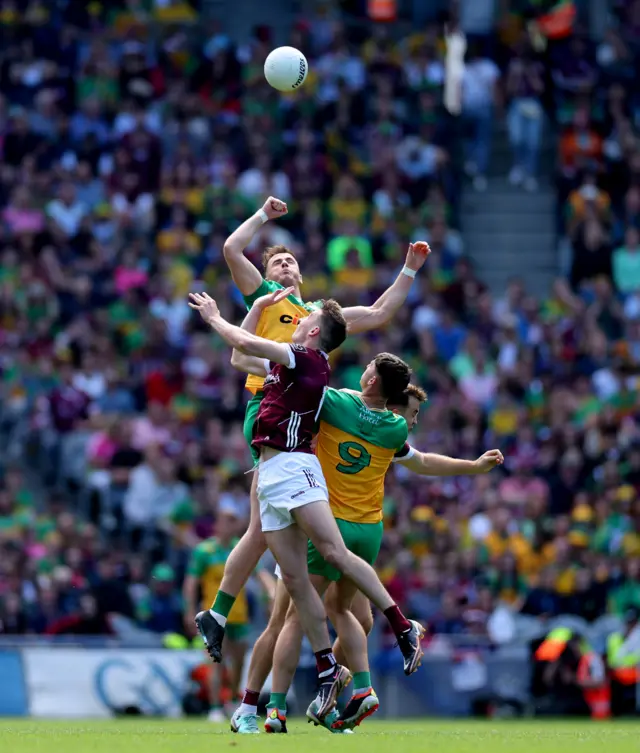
<point x="510" y="233"/>
<point x="507" y="231"/>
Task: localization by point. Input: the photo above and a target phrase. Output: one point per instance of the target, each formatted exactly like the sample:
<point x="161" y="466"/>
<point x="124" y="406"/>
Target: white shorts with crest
<point x="287" y="481"/>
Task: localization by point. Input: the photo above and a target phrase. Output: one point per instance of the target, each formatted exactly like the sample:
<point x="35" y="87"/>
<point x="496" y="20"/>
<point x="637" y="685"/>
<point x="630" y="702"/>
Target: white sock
<point x="219" y="618"/>
<point x="247" y="710"/>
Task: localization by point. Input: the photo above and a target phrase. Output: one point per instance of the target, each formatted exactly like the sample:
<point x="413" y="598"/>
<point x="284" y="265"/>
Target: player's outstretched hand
<point x="417" y="255"/>
<point x="489" y="461"/>
<point x="274" y="208"/>
<point x="205" y="304"/>
<point x="269" y="300"/>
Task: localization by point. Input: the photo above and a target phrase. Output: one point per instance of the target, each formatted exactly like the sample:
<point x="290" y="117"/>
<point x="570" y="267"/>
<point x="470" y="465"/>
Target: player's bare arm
<point x="248" y="364"/>
<point x="253" y="364"/>
<point x="236" y="337"/>
<point x="245" y="274"/>
<point x="365" y="318"/>
<point x="431" y="464"/>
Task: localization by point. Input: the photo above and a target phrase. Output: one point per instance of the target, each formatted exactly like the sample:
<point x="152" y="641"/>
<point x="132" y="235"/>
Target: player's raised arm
<point x="364" y="318"/>
<point x="430" y="464"/>
<point x="245" y="274"/>
<point x="248" y="364"/>
<point x="245" y="342"/>
<point x="253" y="364"/>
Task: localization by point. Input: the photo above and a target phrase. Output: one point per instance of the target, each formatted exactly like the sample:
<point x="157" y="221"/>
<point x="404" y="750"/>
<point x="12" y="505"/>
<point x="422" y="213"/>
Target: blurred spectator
<point x="153" y="497"/>
<point x="449" y="621"/>
<point x="626" y="263"/>
<point x="161" y="609"/>
<point x="573" y="71"/>
<point x="110" y="591"/>
<point x="347" y="245"/>
<point x="627" y="595"/>
<point x="66" y="211"/>
<point x="543" y="600"/>
<point x="591" y="252"/>
<point x="525" y="91"/>
<point x="87" y="620"/>
<point x="580" y="146"/>
<point x="479" y="94"/>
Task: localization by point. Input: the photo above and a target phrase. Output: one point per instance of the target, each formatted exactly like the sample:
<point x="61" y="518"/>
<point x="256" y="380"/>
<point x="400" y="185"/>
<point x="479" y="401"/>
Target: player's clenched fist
<point x="488" y="461"/>
<point x="417" y="255"/>
<point x="205" y="304"/>
<point x="274" y="208"/>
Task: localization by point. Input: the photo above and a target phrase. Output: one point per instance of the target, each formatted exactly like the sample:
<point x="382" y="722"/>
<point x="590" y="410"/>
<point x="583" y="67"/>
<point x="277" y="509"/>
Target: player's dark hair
<point x="394" y="374"/>
<point x="333" y="326"/>
<point x="401" y="400"/>
<point x="272" y="251"/>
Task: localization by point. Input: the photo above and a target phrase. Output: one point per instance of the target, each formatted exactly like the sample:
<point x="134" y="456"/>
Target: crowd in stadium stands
<point x="135" y="140"/>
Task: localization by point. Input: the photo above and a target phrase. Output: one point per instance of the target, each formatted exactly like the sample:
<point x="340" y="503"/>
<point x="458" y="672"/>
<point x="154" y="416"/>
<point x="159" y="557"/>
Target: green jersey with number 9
<point x="355" y="447"/>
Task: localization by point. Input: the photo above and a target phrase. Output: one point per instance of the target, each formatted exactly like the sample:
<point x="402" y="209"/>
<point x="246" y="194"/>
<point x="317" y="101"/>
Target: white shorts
<point x="286" y="481"/>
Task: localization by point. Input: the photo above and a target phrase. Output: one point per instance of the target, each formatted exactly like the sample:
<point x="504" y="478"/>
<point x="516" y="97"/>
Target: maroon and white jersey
<point x="293" y="396"/>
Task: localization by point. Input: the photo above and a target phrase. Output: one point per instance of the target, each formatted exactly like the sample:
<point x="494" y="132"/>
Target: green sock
<point x="223" y="603"/>
<point x="361" y="680"/>
<point x="278" y="701"/>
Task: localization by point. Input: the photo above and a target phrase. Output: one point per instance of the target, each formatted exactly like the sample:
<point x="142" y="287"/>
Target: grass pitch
<point x="162" y="736"/>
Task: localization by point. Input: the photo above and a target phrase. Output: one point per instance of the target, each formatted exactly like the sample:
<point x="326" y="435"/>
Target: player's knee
<point x="293" y="581"/>
<point x="335" y="554"/>
<point x="366" y="620"/>
<point x="332" y="612"/>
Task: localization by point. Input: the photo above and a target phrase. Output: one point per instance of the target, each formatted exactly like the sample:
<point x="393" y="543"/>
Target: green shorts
<point x="363" y="539"/>
<point x="249" y="420"/>
<point x="237" y="632"/>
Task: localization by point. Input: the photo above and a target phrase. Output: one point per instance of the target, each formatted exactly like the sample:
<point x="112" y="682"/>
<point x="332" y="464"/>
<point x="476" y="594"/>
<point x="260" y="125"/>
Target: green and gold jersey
<point x="355" y="447"/>
<point x="277" y="323"/>
<point x="207" y="564"/>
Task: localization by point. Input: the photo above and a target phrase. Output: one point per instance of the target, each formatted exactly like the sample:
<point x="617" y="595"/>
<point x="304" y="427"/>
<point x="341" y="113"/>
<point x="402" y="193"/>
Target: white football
<point x="286" y="69"/>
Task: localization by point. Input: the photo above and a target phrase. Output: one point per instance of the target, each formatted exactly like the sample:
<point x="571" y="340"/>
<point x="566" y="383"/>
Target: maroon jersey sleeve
<point x="292" y="398"/>
<point x="404" y="453"/>
<point x="293" y="349"/>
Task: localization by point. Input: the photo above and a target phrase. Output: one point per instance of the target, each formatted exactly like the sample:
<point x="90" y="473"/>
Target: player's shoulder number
<point x="297" y="348"/>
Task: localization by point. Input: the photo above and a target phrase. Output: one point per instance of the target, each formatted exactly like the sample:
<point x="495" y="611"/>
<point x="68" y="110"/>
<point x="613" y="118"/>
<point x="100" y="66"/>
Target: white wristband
<point x="262" y="215"/>
<point x="409" y="272"/>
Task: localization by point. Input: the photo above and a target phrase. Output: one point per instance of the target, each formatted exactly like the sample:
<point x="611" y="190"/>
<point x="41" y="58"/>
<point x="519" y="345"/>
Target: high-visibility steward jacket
<point x="598" y="697"/>
<point x="177" y="642"/>
<point x="382" y="10"/>
<point x="554" y="644"/>
<point x="623" y="666"/>
<point x="200" y="677"/>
